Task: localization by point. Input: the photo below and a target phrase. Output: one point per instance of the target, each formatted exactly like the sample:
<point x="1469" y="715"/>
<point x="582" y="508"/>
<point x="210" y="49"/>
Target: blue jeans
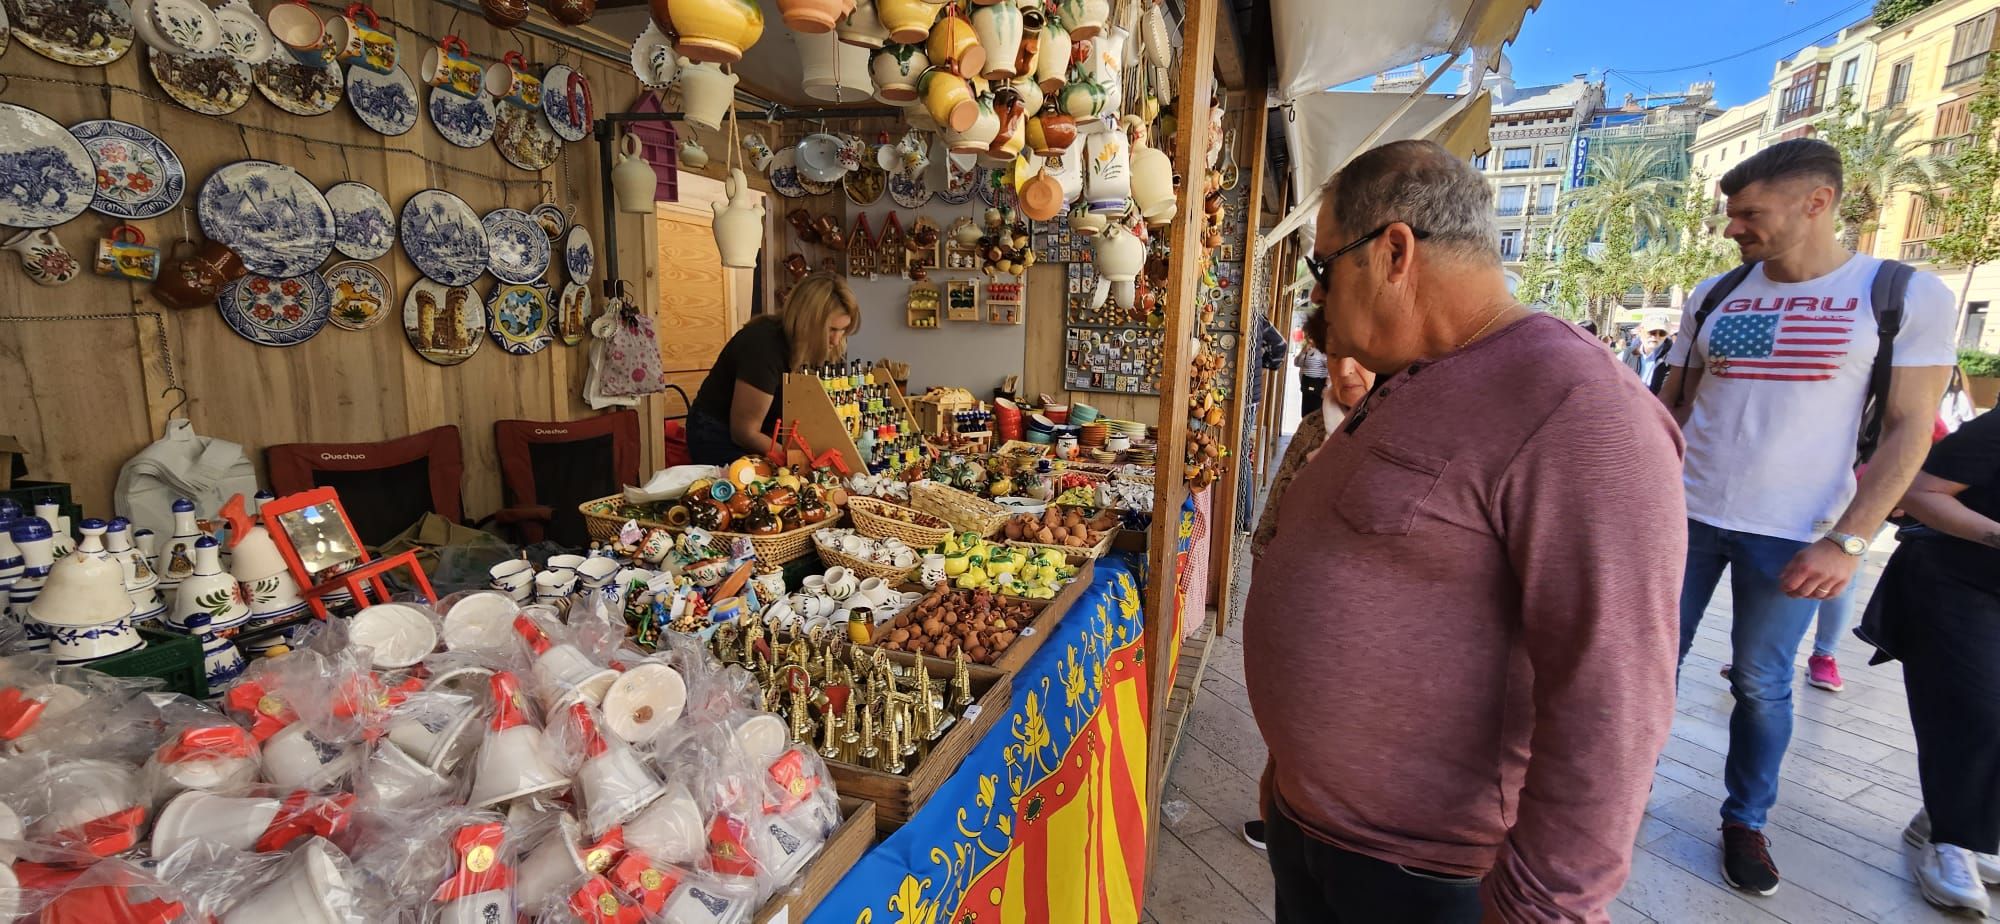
<point x="1836" y="614"/>
<point x="1763" y="645"/>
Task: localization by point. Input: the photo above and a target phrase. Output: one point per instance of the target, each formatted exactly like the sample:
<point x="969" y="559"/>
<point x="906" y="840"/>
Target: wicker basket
<point x="867" y="569"/>
<point x="1095" y="550"/>
<point x="603" y="523"/>
<point x="965" y="512"/>
<point x="873" y="520"/>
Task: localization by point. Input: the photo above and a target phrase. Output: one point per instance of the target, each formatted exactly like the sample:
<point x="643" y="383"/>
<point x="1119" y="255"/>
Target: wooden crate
<point x="897" y="797"/>
<point x="807" y="407"/>
<point x="1048" y="614"/>
<point x="842" y="850"/>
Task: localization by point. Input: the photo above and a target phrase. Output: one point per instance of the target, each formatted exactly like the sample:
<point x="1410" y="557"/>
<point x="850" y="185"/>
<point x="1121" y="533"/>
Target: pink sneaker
<point x="1824" y="673"/>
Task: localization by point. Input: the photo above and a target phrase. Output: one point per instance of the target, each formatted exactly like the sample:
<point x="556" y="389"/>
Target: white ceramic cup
<point x="553" y="587"/>
<point x="312" y="889"/>
<point x="565" y="563"/>
<point x="597" y="572"/>
<point x="295" y="758"/>
<point x="840" y="582"/>
<point x="814" y="583"/>
<point x="872" y="591"/>
<point x="906" y="558"/>
<point x="195" y="815"/>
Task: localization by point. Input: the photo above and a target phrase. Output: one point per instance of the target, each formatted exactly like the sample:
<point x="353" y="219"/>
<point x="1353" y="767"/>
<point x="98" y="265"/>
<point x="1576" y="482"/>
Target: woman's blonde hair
<point x="809" y="308"/>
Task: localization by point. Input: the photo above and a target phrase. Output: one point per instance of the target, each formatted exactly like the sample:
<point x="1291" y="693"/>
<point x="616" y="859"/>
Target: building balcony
<point x="1508" y="211"/>
<point x="1967" y="70"/>
<point x="1788" y="116"/>
<point x="1545" y="210"/>
<point x="1917" y="252"/>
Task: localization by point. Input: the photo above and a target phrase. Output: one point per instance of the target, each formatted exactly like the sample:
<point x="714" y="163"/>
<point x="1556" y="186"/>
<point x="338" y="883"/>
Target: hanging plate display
<point x="579" y="254"/>
<point x="83" y="33"/>
<point x="516" y="249"/>
<point x="386" y="103"/>
<point x="785" y="174"/>
<point x="358" y="294"/>
<point x="652" y="58"/>
<point x="908" y="191"/>
<point x="270" y="215"/>
<point x="245" y="36"/>
<point x="572" y="314"/>
<point x="275" y="312"/>
<point x="189" y="24"/>
<point x="6" y="29"/>
<point x="568" y="107"/>
<point x="138" y="175"/>
<point x="210" y="86"/>
<point x="518" y="317"/>
<point x="297" y="88"/>
<point x="467" y="123"/>
<point x="525" y="138"/>
<point x="964" y="171"/>
<point x="551" y="219"/>
<point x="444" y="238"/>
<point x="46" y="177"/>
<point x="994" y="189"/>
<point x="363" y="226"/>
<point x="444" y="323"/>
<point x="864" y="185"/>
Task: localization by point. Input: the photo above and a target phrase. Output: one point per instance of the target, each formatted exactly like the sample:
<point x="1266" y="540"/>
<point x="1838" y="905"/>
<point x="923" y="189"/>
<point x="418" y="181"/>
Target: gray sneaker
<point x="1918" y="835"/>
<point x="1948" y="878"/>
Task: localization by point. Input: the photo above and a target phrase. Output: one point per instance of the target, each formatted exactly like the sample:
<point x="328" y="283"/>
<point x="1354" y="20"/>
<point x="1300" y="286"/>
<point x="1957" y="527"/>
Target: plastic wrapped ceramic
<point x="671" y="829"/>
<point x="296" y="758"/>
<point x="313" y="887"/>
<point x="437" y="738"/>
<point x="643" y="701"/>
<point x="83" y="791"/>
<point x="614" y="782"/>
<point x="395" y="635"/>
<point x="234" y="822"/>
<point x="553" y="867"/>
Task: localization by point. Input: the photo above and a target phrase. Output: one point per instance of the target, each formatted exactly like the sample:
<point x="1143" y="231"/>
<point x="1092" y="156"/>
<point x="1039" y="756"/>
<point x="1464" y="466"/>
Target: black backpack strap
<point x="1886" y="296"/>
<point x="1724" y="285"/>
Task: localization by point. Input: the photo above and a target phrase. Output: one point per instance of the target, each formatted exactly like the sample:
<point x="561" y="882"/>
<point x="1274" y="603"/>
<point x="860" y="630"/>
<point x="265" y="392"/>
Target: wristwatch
<point x="1849" y="543"/>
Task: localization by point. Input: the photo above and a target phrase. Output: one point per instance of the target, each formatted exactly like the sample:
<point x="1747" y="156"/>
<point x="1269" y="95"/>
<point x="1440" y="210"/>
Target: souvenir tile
<point x="550" y="217"/>
<point x="568" y="108"/>
<point x="211" y="86"/>
<point x="467" y="123"/>
<point x="138" y="175"/>
<point x="276" y="312"/>
<point x="386" y="103"/>
<point x="519" y="318"/>
<point x="358" y="294"/>
<point x="270" y="215"/>
<point x="517" y="250"/>
<point x="82" y="33"/>
<point x="363" y="226"/>
<point x="579" y="254"/>
<point x="525" y="138"/>
<point x="572" y="314"/>
<point x="299" y="89"/>
<point x="444" y="324"/>
<point x="46" y="177"/>
<point x="444" y="238"/>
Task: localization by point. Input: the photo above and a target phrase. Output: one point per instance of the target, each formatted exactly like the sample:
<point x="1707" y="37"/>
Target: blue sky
<point x="1567" y="37"/>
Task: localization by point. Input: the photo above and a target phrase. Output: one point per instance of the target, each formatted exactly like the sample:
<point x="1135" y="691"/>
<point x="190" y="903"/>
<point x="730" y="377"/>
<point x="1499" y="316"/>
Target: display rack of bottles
<point x="857" y="410"/>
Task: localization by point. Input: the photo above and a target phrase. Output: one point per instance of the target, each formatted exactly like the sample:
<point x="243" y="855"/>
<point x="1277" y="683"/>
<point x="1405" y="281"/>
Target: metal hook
<point x="180" y="405"/>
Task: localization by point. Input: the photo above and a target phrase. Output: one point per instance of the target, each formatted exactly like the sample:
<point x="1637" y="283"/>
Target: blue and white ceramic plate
<point x="516" y="249"/>
<point x="467" y="123"/>
<point x="386" y="103"/>
<point x="551" y="219"/>
<point x="908" y="191"/>
<point x="444" y="238"/>
<point x="211" y="86"/>
<point x="358" y="294"/>
<point x="299" y="89"/>
<point x="572" y="314"/>
<point x="785" y="174"/>
<point x="80" y="33"/>
<point x="569" y="112"/>
<point x="518" y="318"/>
<point x="579" y="254"/>
<point x="276" y="312"/>
<point x="46" y="177"/>
<point x="363" y="226"/>
<point x="525" y="138"/>
<point x="444" y="324"/>
<point x="138" y="175"/>
<point x="270" y="215"/>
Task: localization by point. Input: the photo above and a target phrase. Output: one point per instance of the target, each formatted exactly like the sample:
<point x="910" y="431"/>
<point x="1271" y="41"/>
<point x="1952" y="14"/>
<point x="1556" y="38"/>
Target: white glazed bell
<point x="314" y="888"/>
<point x="511" y="762"/>
<point x="141" y="584"/>
<point x="176" y="561"/>
<point x="209" y="590"/>
<point x="554" y="867"/>
<point x="84" y="604"/>
<point x="614" y="782"/>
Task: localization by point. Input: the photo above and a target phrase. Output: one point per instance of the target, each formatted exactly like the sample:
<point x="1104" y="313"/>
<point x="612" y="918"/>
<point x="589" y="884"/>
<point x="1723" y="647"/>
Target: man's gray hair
<point x="1423" y="185"/>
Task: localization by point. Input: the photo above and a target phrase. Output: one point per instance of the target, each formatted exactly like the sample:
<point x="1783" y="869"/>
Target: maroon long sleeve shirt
<point x="1460" y="644"/>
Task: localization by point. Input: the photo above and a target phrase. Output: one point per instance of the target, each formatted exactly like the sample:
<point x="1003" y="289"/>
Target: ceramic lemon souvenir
<point x="385" y="102"/>
<point x="444" y="324"/>
<point x="300" y="89"/>
<point x="81" y="33"/>
<point x="444" y="238"/>
<point x="518" y="317"/>
<point x="363" y="226"/>
<point x="46" y="176"/>
<point x="275" y="219"/>
<point x="465" y="122"/>
<point x="276" y="312"/>
<point x="525" y="138"/>
<point x="579" y="254"/>
<point x="357" y="293"/>
<point x="516" y="249"/>
<point x="138" y="175"/>
<point x="211" y="86"/>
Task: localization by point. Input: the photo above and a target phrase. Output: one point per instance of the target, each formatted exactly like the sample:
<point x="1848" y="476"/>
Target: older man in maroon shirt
<point x="1460" y="644"/>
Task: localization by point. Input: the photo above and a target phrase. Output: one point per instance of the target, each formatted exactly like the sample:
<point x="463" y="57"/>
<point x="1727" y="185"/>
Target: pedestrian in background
<point x="1312" y="378"/>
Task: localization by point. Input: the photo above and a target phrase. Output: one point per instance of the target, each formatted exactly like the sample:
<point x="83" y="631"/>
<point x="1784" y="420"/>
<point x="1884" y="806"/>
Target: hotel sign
<point x="1578" y="157"/>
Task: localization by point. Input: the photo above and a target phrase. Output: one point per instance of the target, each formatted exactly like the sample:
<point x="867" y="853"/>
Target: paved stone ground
<point x="1849" y="786"/>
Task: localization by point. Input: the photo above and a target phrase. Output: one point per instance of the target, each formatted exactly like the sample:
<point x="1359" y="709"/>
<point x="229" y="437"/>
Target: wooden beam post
<point x="1284" y="270"/>
<point x="1250" y="130"/>
<point x="1195" y="87"/>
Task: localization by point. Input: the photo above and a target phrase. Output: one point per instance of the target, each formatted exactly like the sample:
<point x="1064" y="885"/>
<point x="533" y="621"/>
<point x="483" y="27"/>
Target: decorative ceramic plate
<point x="518" y="318"/>
<point x="358" y="294"/>
<point x="445" y="324"/>
<point x="785" y="174"/>
<point x="467" y="123"/>
<point x="964" y="179"/>
<point x="572" y="314"/>
<point x="138" y="175"/>
<point x="579" y="254"/>
<point x="865" y="185"/>
<point x="994" y="189"/>
<point x="245" y="37"/>
<point x="570" y="113"/>
<point x="363" y="226"/>
<point x="525" y="138"/>
<point x="187" y="23"/>
<point x="210" y="86"/>
<point x="551" y="219"/>
<point x="276" y="312"/>
<point x="386" y="103"/>
<point x="298" y="89"/>
<point x="816" y="188"/>
<point x="273" y="217"/>
<point x="444" y="238"/>
<point x="908" y="191"/>
<point x="83" y="33"/>
<point x="6" y="29"/>
<point x="648" y="48"/>
<point x="46" y="177"/>
<point x="516" y="249"/>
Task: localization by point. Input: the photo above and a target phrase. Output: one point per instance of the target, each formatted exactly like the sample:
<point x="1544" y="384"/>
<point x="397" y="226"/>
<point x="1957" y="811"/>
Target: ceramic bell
<point x="176" y="561"/>
<point x="52" y="514"/>
<point x="220" y="660"/>
<point x="84" y="604"/>
<point x="632" y="178"/>
<point x="739" y="226"/>
<point x="141" y="584"/>
<point x="833" y="70"/>
<point x="706" y="93"/>
<point x="259" y="567"/>
<point x="511" y="764"/>
<point x="209" y="591"/>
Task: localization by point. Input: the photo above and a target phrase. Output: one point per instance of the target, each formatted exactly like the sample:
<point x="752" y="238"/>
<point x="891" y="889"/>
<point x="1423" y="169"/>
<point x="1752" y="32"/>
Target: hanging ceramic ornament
<point x="46" y="175"/>
<point x="739" y="225"/>
<point x="210" y="86"/>
<point x="467" y="122"/>
<point x="363" y="226"/>
<point x="706" y="93"/>
<point x="138" y="175"/>
<point x="358" y="295"/>
<point x="518" y="318"/>
<point x="80" y="33"/>
<point x="386" y="103"/>
<point x="275" y="219"/>
<point x="566" y="102"/>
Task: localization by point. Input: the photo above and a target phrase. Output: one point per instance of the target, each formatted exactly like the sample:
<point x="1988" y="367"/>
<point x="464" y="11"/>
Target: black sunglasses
<point x="1322" y="267"/>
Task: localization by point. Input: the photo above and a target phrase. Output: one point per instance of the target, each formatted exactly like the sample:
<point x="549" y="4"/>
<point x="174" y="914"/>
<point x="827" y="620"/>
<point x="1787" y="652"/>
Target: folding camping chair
<point x="547" y="468"/>
<point x="675" y="426"/>
<point x="386" y="486"/>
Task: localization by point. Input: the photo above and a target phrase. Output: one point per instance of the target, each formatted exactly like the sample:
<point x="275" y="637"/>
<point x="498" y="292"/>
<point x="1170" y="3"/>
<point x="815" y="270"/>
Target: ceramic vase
<point x="176" y="561"/>
<point x="1108" y="170"/>
<point x="998" y="28"/>
<point x="1152" y="177"/>
<point x="813" y="17"/>
<point x="908" y="21"/>
<point x="10" y="554"/>
<point x="632" y="178"/>
<point x="706" y="93"/>
<point x="717" y="31"/>
<point x="739" y="225"/>
<point x="141" y="584"/>
<point x="949" y="100"/>
<point x="1107" y="64"/>
<point x="1030" y="93"/>
<point x="1082" y="97"/>
<point x="1084" y="18"/>
<point x="1052" y="57"/>
<point x="954" y="44"/>
<point x="895" y="68"/>
<point x="209" y="591"/>
<point x="862" y="27"/>
<point x="43" y="257"/>
<point x="979" y="135"/>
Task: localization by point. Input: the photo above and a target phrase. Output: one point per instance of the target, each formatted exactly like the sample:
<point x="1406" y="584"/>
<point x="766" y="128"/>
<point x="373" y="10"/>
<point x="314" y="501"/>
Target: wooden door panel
<point x="695" y="292"/>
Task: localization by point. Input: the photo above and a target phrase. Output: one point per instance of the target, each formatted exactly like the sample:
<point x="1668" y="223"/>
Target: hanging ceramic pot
<point x="43" y="257"/>
<point x="571" y="12"/>
<point x="739" y="226"/>
<point x="813" y="17"/>
<point x="1084" y="18"/>
<point x="949" y="100"/>
<point x="833" y="70"/>
<point x="895" y="68"/>
<point x="1011" y="118"/>
<point x="706" y="93"/>
<point x="1050" y="130"/>
<point x="863" y="27"/>
<point x="1152" y="177"/>
<point x="1107" y="64"/>
<point x="1118" y="253"/>
<point x="978" y="136"/>
<point x="716" y="31"/>
<point x="1052" y="56"/>
<point x="632" y="178"/>
<point x="998" y="28"/>
<point x="1083" y="96"/>
<point x="1107" y="169"/>
<point x="908" y="21"/>
<point x="954" y="44"/>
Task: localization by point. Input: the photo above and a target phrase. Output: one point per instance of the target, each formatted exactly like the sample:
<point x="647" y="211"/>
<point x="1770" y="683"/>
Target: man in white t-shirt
<point x="1769" y="392"/>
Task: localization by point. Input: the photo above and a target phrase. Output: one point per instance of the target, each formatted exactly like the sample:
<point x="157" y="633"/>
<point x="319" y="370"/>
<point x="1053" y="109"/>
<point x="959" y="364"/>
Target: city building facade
<point x="1727" y="140"/>
<point x="1809" y="84"/>
<point x="1532" y="132"/>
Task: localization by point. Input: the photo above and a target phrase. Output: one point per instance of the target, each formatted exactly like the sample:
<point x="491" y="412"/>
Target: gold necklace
<point x="1495" y="316"/>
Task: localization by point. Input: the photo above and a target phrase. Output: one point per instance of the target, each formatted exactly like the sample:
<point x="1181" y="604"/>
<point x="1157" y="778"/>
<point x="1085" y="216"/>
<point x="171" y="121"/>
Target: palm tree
<point x="1626" y="191"/>
<point x="1656" y="268"/>
<point x="1877" y="159"/>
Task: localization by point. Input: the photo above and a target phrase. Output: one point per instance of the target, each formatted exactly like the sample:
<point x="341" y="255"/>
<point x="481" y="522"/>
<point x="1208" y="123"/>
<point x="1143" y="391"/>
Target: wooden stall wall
<point x="81" y="377"/>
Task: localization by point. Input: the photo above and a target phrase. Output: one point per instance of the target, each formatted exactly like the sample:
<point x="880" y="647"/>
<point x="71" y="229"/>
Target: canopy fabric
<point x="1326" y="43"/>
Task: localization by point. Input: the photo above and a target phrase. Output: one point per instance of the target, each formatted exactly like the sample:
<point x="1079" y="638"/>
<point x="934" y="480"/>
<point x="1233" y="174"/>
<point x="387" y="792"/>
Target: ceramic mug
<point x="814" y="584"/>
<point x="840" y="583"/>
<point x="123" y="254"/>
<point x="195" y="280"/>
<point x="357" y="45"/>
<point x="449" y="67"/>
<point x="508" y="81"/>
<point x="759" y="150"/>
<point x="300" y="30"/>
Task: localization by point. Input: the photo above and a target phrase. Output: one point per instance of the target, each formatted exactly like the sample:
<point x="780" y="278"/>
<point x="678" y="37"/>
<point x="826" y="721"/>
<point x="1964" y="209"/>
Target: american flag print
<point x="1803" y="343"/>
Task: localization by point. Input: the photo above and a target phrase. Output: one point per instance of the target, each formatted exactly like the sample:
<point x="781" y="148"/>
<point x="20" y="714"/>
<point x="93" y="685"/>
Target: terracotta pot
<point x="716" y="31"/>
<point x="572" y="12"/>
<point x="954" y="44"/>
<point x="895" y="68"/>
<point x="813" y="16"/>
<point x="1051" y="131"/>
<point x="908" y="21"/>
<point x="1041" y="197"/>
<point x="195" y="280"/>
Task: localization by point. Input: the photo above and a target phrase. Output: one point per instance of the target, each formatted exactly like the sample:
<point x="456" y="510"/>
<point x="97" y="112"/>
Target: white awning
<point x="1338" y="124"/>
<point x="1326" y="43"/>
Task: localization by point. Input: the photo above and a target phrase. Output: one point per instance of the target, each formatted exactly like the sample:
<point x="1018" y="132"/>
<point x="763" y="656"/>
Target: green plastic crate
<point x="169" y="656"/>
<point x="28" y="493"/>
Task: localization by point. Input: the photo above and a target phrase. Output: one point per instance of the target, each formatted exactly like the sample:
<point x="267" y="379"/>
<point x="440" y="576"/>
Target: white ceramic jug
<point x="706" y="93"/>
<point x="1152" y="177"/>
<point x="979" y="137"/>
<point x="632" y="178"/>
<point x="998" y="27"/>
<point x="1107" y="63"/>
<point x="1119" y="253"/>
<point x="739" y="226"/>
<point x="1108" y="183"/>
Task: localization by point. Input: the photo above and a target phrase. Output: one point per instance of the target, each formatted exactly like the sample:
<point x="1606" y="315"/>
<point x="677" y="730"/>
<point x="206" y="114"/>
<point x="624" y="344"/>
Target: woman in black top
<point x="739" y="401"/>
<point x="1938" y="610"/>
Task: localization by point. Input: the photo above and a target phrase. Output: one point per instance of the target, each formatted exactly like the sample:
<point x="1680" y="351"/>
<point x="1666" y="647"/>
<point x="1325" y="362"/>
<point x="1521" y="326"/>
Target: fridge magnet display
<point x="518" y="317"/>
<point x="46" y="177"/>
<point x="363" y="226"/>
<point x="210" y="86"/>
<point x="276" y="312"/>
<point x="444" y="237"/>
<point x="275" y="219"/>
<point x="962" y="300"/>
<point x="138" y="175"/>
<point x="445" y="324"/>
<point x="359" y="294"/>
